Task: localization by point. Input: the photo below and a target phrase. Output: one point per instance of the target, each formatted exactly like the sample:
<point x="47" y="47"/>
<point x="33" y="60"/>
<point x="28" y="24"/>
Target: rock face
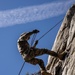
<point x="65" y="41"/>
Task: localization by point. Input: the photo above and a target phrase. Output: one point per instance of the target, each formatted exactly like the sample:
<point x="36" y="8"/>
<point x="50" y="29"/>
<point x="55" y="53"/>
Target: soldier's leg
<point x="39" y="52"/>
<point x="35" y="61"/>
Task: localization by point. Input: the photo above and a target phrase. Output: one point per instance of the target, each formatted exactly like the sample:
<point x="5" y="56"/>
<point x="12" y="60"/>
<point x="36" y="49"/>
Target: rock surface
<point x="65" y="41"/>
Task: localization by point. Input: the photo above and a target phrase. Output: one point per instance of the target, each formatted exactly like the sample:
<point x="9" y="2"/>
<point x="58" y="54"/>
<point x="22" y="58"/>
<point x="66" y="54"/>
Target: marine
<point x="29" y="54"/>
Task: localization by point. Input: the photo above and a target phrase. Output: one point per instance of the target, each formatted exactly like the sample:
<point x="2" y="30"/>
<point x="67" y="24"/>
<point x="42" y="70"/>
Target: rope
<point x="38" y="40"/>
<point x="50" y="29"/>
<point x="33" y="39"/>
<point x="21" y="68"/>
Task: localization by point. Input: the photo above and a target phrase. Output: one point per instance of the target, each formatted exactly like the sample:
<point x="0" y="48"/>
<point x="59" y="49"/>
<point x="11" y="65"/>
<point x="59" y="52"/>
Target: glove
<point x="35" y="31"/>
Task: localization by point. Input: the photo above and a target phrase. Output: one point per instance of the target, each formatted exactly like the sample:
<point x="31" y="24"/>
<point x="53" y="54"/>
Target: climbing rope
<point x="33" y="39"/>
<point x="50" y="29"/>
<point x="38" y="40"/>
<point x="21" y="68"/>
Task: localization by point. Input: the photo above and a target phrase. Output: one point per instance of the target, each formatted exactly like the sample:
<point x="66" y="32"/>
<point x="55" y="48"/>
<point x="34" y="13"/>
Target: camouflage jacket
<point x="23" y="46"/>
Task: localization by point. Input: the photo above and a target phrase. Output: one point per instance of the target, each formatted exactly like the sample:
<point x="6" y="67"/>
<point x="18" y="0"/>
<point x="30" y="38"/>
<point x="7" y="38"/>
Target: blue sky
<point x="18" y="16"/>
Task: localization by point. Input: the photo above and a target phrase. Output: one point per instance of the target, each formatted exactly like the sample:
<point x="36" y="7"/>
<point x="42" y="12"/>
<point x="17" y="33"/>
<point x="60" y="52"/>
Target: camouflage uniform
<point x="29" y="53"/>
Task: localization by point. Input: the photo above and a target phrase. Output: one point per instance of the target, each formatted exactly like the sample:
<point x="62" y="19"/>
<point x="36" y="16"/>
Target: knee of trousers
<point x="40" y="62"/>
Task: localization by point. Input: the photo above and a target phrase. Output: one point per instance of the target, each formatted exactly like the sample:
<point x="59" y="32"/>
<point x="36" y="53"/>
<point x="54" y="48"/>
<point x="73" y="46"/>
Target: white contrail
<point x="33" y="13"/>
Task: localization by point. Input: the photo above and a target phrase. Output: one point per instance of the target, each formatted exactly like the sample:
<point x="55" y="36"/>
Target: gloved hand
<point x="35" y="31"/>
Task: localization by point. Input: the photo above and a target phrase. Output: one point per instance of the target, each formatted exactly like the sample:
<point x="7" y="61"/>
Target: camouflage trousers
<point x="30" y="57"/>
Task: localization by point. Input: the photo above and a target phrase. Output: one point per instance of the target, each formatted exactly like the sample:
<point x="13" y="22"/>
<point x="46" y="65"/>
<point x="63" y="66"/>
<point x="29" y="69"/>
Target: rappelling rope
<point x="33" y="39"/>
<point x="21" y="68"/>
<point x="50" y="29"/>
<point x="39" y="39"/>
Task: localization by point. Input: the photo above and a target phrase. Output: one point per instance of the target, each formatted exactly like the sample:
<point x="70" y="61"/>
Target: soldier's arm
<point x="33" y="32"/>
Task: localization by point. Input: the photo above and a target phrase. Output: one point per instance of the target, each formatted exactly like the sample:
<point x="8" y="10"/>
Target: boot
<point x="62" y="55"/>
<point x="45" y="73"/>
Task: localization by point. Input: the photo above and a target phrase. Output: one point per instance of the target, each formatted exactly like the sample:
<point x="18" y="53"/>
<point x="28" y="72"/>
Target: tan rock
<point x="65" y="41"/>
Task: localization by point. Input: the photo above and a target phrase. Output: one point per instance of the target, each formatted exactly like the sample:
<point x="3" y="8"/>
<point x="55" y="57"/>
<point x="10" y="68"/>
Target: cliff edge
<point x="65" y="41"/>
